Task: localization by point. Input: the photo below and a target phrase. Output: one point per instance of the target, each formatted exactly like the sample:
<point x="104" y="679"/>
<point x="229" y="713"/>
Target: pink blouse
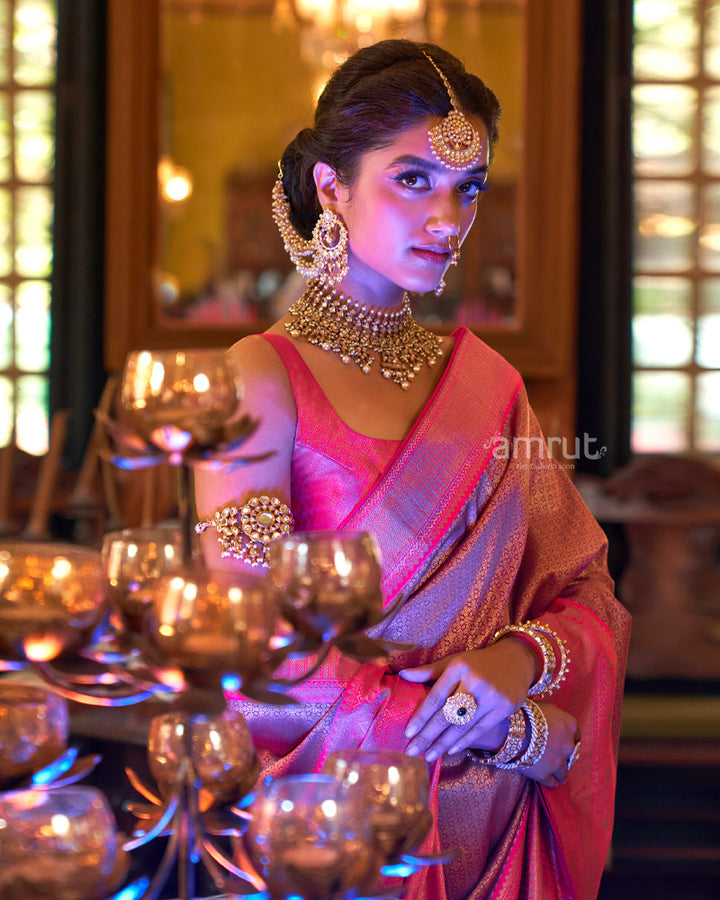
<point x="333" y="466"/>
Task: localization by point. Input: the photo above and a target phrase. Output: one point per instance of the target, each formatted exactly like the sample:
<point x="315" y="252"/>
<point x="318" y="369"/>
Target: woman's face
<point x="402" y="212"/>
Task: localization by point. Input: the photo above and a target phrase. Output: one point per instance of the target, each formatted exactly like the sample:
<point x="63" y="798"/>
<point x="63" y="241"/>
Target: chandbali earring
<point x="454" y="141"/>
<point x="330" y="241"/>
<point x="324" y="256"/>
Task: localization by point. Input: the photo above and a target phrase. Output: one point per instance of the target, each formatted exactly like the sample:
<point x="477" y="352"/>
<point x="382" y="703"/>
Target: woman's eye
<point x="412" y="179"/>
<point x="472" y="188"/>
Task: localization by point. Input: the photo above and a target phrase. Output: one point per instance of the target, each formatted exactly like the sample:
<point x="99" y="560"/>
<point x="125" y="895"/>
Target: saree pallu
<point x="478" y="528"/>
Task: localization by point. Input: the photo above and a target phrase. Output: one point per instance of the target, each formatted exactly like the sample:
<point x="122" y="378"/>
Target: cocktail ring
<point x="459" y="708"/>
<point x="574" y="756"/>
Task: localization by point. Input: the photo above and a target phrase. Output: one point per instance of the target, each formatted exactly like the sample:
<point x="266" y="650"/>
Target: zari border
<point x="435" y="469"/>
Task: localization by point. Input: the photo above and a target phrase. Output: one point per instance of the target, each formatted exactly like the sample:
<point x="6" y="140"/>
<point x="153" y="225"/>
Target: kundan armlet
<point x="246" y="532"/>
<point x="551" y="648"/>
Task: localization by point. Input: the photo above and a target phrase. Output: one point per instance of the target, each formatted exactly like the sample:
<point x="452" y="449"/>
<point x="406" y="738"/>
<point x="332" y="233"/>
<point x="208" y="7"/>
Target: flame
<point x="61" y="567"/>
<point x="42" y="648"/>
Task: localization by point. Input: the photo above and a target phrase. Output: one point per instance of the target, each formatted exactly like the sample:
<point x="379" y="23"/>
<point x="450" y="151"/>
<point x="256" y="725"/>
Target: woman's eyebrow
<point x="409" y="159"/>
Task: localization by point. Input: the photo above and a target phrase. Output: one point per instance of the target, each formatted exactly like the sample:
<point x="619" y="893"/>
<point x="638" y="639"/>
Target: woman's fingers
<point x="436" y="734"/>
<point x="437" y="737"/>
<point x="432" y="703"/>
<point x="420" y="674"/>
<point x="489" y="675"/>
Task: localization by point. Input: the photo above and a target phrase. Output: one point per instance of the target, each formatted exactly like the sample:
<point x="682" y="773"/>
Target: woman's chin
<point x="425" y="289"/>
<point x="420" y="285"/>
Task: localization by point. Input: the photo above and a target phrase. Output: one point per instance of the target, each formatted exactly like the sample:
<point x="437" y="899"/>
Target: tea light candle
<point x="309" y="858"/>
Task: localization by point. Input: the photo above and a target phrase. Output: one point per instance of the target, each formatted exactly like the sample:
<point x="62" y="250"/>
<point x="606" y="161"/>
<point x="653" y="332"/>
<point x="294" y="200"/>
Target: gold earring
<point x="330" y="240"/>
<point x="324" y="256"/>
<point x="454" y="247"/>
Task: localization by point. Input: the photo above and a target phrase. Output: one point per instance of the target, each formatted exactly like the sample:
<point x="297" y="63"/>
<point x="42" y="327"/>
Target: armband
<point x="246" y="532"/>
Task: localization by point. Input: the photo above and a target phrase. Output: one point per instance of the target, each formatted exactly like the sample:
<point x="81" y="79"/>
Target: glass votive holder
<point x="175" y="398"/>
<point x="311" y="838"/>
<point x="209" y="623"/>
<point x="327" y="582"/>
<point x="52" y="598"/>
<point x="34" y="730"/>
<point x="219" y="748"/>
<point x="134" y="559"/>
<point x="394" y="788"/>
<point x="57" y="845"/>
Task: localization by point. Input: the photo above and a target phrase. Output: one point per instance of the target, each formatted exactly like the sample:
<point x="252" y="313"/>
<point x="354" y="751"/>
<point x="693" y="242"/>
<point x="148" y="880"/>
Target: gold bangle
<point x="562" y="664"/>
<point x="538" y="735"/>
<point x="538" y="738"/>
<point x="245" y="533"/>
<point x="511" y="746"/>
<point x="555" y="655"/>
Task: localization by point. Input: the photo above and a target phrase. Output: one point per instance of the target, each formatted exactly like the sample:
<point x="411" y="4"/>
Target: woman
<point x="429" y="444"/>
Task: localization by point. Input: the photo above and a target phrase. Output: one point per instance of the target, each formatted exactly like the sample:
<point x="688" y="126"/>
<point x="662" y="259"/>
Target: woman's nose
<point x="444" y="217"/>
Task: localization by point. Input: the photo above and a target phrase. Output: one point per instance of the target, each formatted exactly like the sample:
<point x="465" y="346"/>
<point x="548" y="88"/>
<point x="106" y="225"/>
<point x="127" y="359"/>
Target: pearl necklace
<point x="359" y="334"/>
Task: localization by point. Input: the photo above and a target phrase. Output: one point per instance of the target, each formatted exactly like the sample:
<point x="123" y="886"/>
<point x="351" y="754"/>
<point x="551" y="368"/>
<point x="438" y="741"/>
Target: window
<point x="28" y="39"/>
<point x="676" y="252"/>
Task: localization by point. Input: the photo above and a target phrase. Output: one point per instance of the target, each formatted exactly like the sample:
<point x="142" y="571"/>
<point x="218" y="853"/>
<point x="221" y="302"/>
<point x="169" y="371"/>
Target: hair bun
<point x="297" y="164"/>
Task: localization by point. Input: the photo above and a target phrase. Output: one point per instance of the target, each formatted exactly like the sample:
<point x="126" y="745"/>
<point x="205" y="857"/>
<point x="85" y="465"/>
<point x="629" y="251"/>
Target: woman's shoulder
<point x="257" y="359"/>
<point x="265" y="384"/>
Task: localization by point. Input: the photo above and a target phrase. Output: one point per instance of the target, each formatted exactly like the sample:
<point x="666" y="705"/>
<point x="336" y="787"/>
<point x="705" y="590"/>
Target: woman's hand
<point x="563" y="734"/>
<point x="497" y="676"/>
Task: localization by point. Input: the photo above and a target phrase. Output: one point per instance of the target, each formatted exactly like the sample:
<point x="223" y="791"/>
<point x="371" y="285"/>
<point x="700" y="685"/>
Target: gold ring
<point x="459" y="708"/>
<point x="574" y="756"/>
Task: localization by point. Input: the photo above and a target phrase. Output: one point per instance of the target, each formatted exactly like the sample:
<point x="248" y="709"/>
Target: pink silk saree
<point x="477" y="528"/>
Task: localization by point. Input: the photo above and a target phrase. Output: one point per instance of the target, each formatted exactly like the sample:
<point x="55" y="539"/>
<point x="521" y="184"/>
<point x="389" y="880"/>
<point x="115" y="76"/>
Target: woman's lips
<point x="438" y="257"/>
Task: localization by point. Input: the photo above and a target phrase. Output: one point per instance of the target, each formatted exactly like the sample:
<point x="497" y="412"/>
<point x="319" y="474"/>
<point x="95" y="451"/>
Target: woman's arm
<point x="267" y="398"/>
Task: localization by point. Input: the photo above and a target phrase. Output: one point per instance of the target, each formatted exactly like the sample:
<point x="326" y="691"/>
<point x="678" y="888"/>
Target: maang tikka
<point x="454" y="141"/>
<point x="324" y="256"/>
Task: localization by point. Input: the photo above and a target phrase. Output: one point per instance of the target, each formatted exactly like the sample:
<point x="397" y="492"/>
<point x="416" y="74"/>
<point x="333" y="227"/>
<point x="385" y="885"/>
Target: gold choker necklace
<point x="344" y="326"/>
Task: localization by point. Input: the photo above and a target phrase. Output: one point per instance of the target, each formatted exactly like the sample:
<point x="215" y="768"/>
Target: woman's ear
<point x="330" y="191"/>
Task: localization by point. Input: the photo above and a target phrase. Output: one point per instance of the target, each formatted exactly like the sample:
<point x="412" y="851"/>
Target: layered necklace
<point x="360" y="334"/>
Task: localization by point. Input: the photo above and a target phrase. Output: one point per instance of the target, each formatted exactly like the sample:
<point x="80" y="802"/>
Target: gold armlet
<point x="245" y="532"/>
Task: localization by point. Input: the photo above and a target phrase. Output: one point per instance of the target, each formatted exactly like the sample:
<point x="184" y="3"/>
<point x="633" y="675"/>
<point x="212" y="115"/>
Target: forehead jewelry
<point x="454" y="141"/>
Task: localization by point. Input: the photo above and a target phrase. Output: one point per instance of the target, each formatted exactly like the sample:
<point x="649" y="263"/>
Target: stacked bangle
<point x="538" y="735"/>
<point x="528" y="719"/>
<point x="552" y="649"/>
<point x="511" y="746"/>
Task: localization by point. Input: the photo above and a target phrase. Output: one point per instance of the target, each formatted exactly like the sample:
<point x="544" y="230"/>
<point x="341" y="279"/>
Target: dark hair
<point x="372" y="97"/>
